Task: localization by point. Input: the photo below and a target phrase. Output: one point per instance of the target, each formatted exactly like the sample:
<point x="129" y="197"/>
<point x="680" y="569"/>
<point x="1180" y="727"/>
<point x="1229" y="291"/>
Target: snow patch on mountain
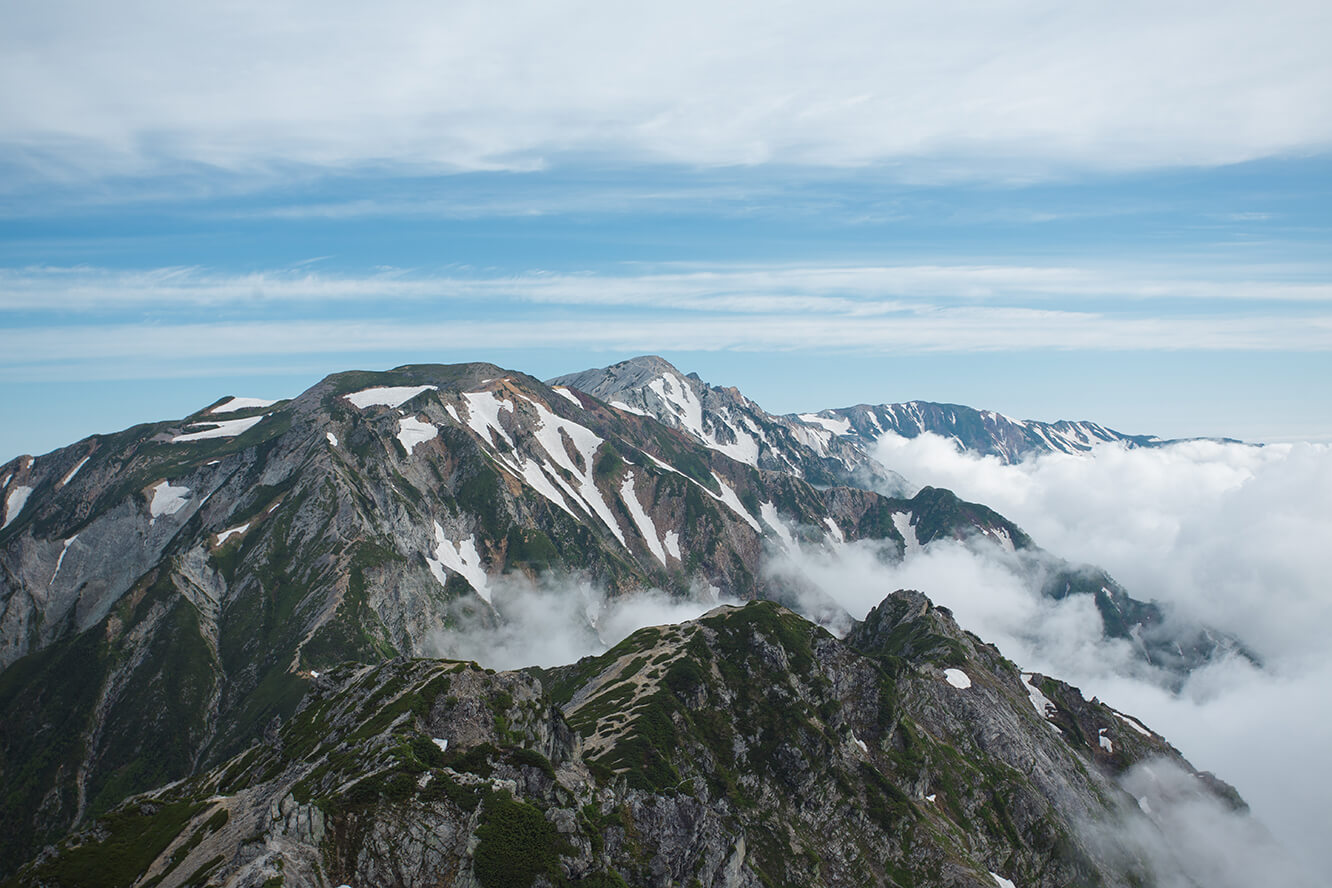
<point x="1133" y="723"/>
<point x="567" y="395"/>
<point x="74" y="471"/>
<point x="229" y="533"/>
<point x="672" y="544"/>
<point x="483" y="409"/>
<point x="222" y="428"/>
<point x="1041" y="703"/>
<point x="957" y="678"/>
<point x="412" y="431"/>
<point x="61" y="560"/>
<point x="460" y="557"/>
<point x="646" y="528"/>
<point x="387" y="396"/>
<point x="840" y="426"/>
<point x="332" y="438"/>
<point x="550" y="432"/>
<point x="833" y="530"/>
<point x="231" y="405"/>
<point x="728" y="498"/>
<point x="815" y="439"/>
<point x="768" y="512"/>
<point x="167" y="500"/>
<point x="620" y="405"/>
<point x="902" y="521"/>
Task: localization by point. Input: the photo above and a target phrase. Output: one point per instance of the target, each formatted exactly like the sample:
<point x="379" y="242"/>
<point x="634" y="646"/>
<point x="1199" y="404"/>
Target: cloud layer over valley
<point x="1230" y="535"/>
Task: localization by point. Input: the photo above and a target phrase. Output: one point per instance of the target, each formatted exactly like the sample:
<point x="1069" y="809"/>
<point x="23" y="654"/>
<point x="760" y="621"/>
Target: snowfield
<point x="231" y="405"/>
<point x="387" y="396"/>
<point x="223" y="428"/>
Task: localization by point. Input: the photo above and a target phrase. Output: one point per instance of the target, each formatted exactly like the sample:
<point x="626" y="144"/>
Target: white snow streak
<point x="770" y="517"/>
<point x="1001" y="881"/>
<point x="461" y="558"/>
<point x="568" y="395"/>
<point x="441" y="743"/>
<point x="672" y="543"/>
<point x="226" y="534"/>
<point x="388" y="396"/>
<point x="332" y="438"/>
<point x="549" y="432"/>
<point x="957" y="678"/>
<point x="677" y="393"/>
<point x="620" y="405"/>
<point x="732" y="502"/>
<point x="453" y="413"/>
<point x="167" y="500"/>
<point x="223" y="428"/>
<point x="1044" y="708"/>
<point x="412" y="431"/>
<point x="834" y="531"/>
<point x="902" y="521"/>
<point x="483" y="409"/>
<point x="1133" y="723"/>
<point x="61" y="560"/>
<point x="1105" y="742"/>
<point x="688" y="409"/>
<point x="836" y="426"/>
<point x="74" y="471"/>
<point x="642" y="519"/>
<point x="231" y="405"/>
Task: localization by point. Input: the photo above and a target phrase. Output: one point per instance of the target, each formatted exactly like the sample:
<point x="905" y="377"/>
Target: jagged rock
<point x="746" y="748"/>
<point x="169" y="591"/>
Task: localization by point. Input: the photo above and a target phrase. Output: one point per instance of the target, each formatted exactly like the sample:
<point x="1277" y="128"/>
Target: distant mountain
<point x="747" y="748"/>
<point x="982" y="432"/>
<point x="171" y="593"/>
<point x="831" y="445"/>
<point x="724" y="420"/>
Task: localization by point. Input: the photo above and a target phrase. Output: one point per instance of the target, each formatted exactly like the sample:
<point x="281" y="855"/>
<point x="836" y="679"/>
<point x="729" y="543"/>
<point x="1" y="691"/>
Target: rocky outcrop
<point x="745" y="748"/>
<point x="167" y="592"/>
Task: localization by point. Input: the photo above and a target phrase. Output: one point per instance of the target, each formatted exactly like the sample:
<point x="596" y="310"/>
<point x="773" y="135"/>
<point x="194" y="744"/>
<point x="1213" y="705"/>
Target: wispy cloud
<point x="840" y="289"/>
<point x="1020" y="88"/>
<point x="1233" y="536"/>
<point x="155" y="348"/>
<point x="159" y="317"/>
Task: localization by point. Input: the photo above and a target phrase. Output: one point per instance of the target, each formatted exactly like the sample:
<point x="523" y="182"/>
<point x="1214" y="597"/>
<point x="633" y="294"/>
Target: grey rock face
<point x="170" y="592"/>
<point x="745" y="748"/>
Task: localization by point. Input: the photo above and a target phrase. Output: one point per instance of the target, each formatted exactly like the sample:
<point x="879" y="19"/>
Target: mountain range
<point x="244" y="606"/>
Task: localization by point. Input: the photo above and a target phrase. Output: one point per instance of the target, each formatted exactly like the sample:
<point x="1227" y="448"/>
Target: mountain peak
<point x="607" y="383"/>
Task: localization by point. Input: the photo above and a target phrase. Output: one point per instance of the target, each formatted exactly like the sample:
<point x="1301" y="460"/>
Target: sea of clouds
<point x="1232" y="536"/>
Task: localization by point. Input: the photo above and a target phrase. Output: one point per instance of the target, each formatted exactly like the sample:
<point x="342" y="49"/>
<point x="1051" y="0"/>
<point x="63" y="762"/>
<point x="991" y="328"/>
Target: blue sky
<point x="1054" y="210"/>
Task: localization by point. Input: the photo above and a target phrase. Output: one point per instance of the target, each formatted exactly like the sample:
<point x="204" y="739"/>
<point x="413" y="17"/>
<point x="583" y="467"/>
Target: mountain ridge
<point x="170" y="591"/>
<point x="745" y="748"/>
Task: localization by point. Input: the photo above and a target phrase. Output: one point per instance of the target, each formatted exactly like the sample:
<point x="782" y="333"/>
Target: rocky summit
<point x="746" y="748"/>
<point x="217" y="632"/>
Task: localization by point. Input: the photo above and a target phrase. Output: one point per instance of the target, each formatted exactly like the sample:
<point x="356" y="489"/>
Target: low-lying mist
<point x="1232" y="536"/>
<point x="557" y="619"/>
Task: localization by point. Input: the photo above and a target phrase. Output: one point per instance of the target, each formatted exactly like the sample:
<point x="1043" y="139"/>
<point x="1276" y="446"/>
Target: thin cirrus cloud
<point x="831" y="288"/>
<point x="164" y="322"/>
<point x="1016" y="88"/>
<point x="154" y="350"/>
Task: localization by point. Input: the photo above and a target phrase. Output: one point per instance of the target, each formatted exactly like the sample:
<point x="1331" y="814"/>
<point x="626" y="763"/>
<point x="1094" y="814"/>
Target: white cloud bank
<point x="558" y="620"/>
<point x="1011" y="88"/>
<point x="1237" y="537"/>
